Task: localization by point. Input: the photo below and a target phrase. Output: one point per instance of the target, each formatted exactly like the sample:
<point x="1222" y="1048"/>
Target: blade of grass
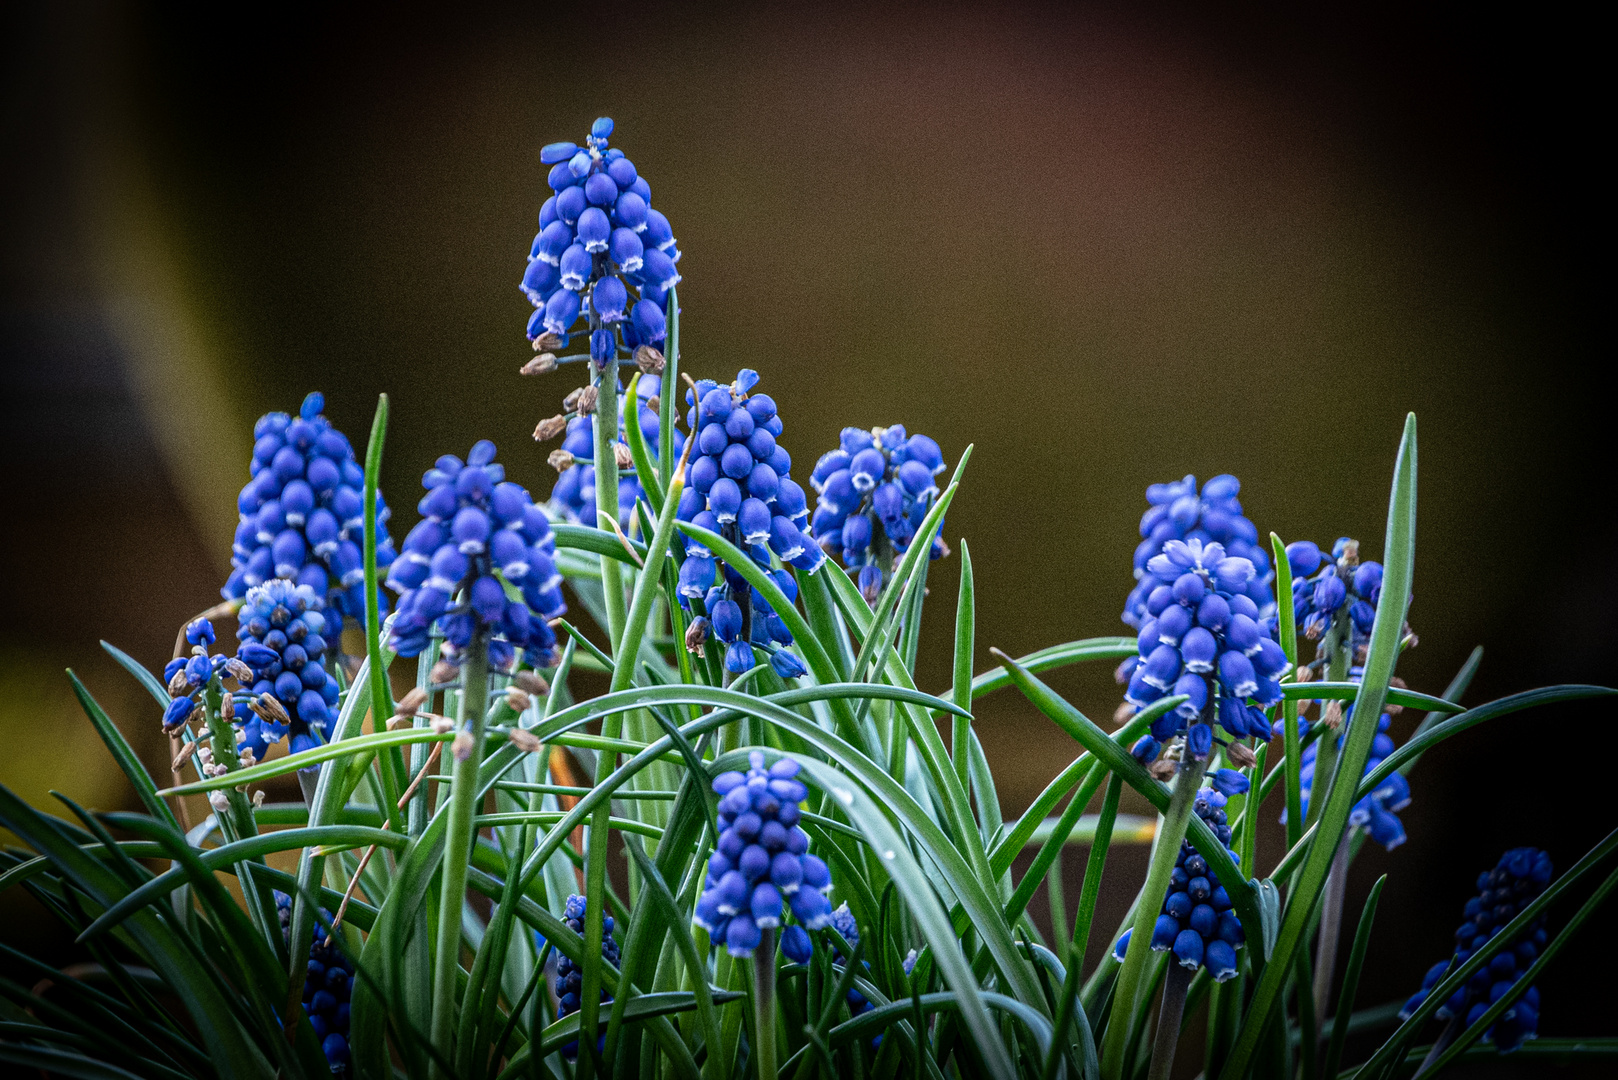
<point x="1351" y="981"/>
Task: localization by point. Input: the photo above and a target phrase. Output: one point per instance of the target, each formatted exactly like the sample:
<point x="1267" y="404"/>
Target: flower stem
<point x="764" y="1055"/>
<point x="458" y="842"/>
<point x="1331" y="924"/>
<point x="1165" y="852"/>
<point x="1168" y="1021"/>
<point x="606" y="467"/>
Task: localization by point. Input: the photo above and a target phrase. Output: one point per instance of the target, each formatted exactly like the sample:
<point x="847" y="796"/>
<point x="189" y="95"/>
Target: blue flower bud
<point x="786" y="665"/>
<point x="796" y="944"/>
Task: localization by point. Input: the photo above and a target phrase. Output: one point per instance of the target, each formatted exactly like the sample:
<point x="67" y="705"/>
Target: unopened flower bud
<point x="179" y="684"/>
<point x="462" y="746"/>
<point x="1163" y="769"/>
<point x="517" y="700"/>
<point x="444" y="672"/>
<point x="1240" y="755"/>
<point x="649" y="360"/>
<point x="442" y="724"/>
<point x="543" y="364"/>
<point x="219" y="801"/>
<point x="1122" y="713"/>
<point x="205" y="755"/>
<point x="530" y="682"/>
<point x="560" y="460"/>
<point x="621" y="454"/>
<point x="524" y="740"/>
<point x="550" y="428"/>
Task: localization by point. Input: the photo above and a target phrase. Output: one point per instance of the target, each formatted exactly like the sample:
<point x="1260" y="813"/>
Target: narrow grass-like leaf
<point x="1292" y="761"/>
<point x="965" y="640"/>
<point x="1351" y="980"/>
<point x="1058" y="656"/>
<point x="645" y="471"/>
<point x="123" y="754"/>
<point x="1348" y="691"/>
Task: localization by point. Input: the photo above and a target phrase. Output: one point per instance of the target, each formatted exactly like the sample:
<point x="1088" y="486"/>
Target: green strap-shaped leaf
<point x="124" y="754"/>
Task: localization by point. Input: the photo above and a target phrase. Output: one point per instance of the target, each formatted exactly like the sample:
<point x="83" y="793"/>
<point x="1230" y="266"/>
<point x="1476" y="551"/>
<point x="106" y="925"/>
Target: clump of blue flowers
<point x="570" y="978"/>
<point x="741" y="488"/>
<point x="1206" y="638"/>
<point x="282" y="630"/>
<point x="761" y="864"/>
<point x="872" y="494"/>
<point x="1334" y="599"/>
<point x="480" y="534"/>
<point x="574" y="496"/>
<point x="1197" y="923"/>
<point x="598" y="238"/>
<point x="188" y="676"/>
<point x="303" y="514"/>
<point x="1516" y="880"/>
<point x="328" y="986"/>
<point x="1377" y="814"/>
<point x="1178" y="511"/>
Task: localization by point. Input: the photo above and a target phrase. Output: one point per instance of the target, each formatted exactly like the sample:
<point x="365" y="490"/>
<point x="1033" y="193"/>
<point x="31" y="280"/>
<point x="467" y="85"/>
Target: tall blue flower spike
<point x="1334" y="599"/>
<point x="1205" y="637"/>
<point x="1197" y="922"/>
<point x="302" y="515"/>
<point x="1516" y="880"/>
<point x="327" y="987"/>
<point x="283" y="632"/>
<point x="570" y="977"/>
<point x="598" y="238"/>
<point x="872" y="494"/>
<point x="761" y="866"/>
<point x="740" y="487"/>
<point x="574" y="496"/>
<point x="479" y="534"/>
<point x="1213" y="516"/>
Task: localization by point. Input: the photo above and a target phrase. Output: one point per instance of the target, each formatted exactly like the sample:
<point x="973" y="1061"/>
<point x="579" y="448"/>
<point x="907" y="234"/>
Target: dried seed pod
<point x="518" y="700"/>
<point x="444" y="672"/>
<point x="550" y="428"/>
<point x="543" y="364"/>
<point x="1240" y="755"/>
<point x="621" y="454"/>
<point x="524" y="740"/>
<point x="560" y="460"/>
<point x="239" y="671"/>
<point x="462" y="746"/>
<point x="547" y="342"/>
<point x="530" y="682"/>
<point x="412" y="702"/>
<point x="649" y="360"/>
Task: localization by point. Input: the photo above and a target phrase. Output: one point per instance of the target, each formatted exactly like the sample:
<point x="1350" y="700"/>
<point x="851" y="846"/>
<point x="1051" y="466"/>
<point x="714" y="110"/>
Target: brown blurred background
<point x="1108" y="247"/>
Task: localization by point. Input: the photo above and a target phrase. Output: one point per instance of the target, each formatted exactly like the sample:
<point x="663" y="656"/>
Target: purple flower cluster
<point x="569" y="976"/>
<point x="1343" y="585"/>
<point x="574" y="496"/>
<point x="282" y="631"/>
<point x="1178" y="511"/>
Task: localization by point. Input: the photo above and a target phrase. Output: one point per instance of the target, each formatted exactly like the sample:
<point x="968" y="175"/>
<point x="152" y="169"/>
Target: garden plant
<point x="763" y="850"/>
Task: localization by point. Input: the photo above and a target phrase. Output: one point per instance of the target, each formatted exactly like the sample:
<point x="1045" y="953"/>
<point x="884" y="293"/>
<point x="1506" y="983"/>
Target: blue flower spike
<point x="741" y="488"/>
<point x="284" y="635"/>
<point x="480" y="536"/>
<point x="570" y="977"/>
<point x="761" y="868"/>
<point x="1502" y="893"/>
<point x="1213" y="515"/>
<point x="302" y="515"/>
<point x="871" y="495"/>
<point x="1197" y="923"/>
<point x="1334" y="598"/>
<point x="328" y="986"/>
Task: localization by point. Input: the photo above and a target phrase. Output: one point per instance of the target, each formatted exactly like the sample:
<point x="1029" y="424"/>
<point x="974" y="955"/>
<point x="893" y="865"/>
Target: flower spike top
<point x="1516" y="880"/>
<point x="570" y="977"/>
<point x="574" y="497"/>
<point x="761" y="864"/>
<point x="479" y="533"/>
<point x="282" y="630"/>
<point x="740" y="487"/>
<point x="1197" y="923"/>
<point x="598" y="237"/>
<point x="1203" y="637"/>
<point x="1336" y="607"/>
<point x="873" y="493"/>
<point x="303" y="514"/>
<point x="1179" y="512"/>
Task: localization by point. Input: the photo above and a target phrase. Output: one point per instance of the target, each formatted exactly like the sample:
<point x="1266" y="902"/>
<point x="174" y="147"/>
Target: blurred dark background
<point x="1107" y="246"/>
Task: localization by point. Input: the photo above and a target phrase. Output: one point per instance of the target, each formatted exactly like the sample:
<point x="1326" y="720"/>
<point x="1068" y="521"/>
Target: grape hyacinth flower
<point x="570" y="977"/>
<point x="1213" y="516"/>
<point x="599" y="238"/>
<point x="327" y="987"/>
<point x="1204" y="637"/>
<point x="761" y="866"/>
<point x="302" y="515"/>
<point x="872" y="494"/>
<point x="1334" y="599"/>
<point x="282" y="629"/>
<point x="1197" y="922"/>
<point x="741" y="488"/>
<point x="574" y="496"/>
<point x="1516" y="880"/>
<point x="479" y="534"/>
<point x="188" y="676"/>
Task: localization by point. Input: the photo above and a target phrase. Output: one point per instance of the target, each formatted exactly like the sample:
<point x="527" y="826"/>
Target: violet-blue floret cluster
<point x="569" y="983"/>
<point x="740" y="486"/>
<point x="199" y="668"/>
<point x="1197" y="922"/>
<point x="479" y="535"/>
<point x="1322" y="586"/>
<point x="283" y="634"/>
<point x="1178" y="511"/>
<point x="328" y="986"/>
<point x="302" y="515"/>
<point x="574" y="496"/>
<point x="761" y="866"/>
<point x="1516" y="880"/>
<point x="872" y="494"/>
<point x="1203" y="636"/>
<point x="598" y="238"/>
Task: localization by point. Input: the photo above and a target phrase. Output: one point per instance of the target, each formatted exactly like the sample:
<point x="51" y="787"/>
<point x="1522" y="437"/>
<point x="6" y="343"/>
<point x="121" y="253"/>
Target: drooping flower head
<point x="741" y="488"/>
<point x="303" y="515"/>
<point x="1516" y="880"/>
<point x="873" y="493"/>
<point x="1204" y="637"/>
<point x="598" y="239"/>
<point x="282" y="629"/>
<point x="574" y="496"/>
<point x="327" y="986"/>
<point x="1197" y="922"/>
<point x="480" y="533"/>
<point x="1334" y="599"/>
<point x="1213" y="516"/>
<point x="570" y="977"/>
<point x="761" y="866"/>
